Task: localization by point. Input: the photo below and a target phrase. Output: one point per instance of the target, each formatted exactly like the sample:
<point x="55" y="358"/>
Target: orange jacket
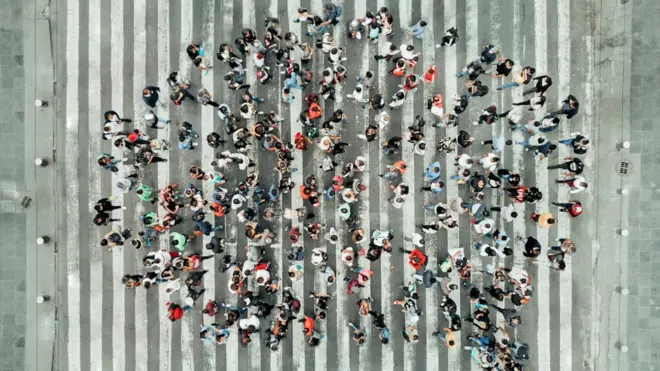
<point x="309" y="325"/>
<point x="314" y="111"/>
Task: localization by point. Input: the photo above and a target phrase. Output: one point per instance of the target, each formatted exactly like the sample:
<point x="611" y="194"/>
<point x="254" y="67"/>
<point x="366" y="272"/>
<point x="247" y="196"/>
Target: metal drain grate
<point x="624" y="168"/>
<point x="26" y="202"/>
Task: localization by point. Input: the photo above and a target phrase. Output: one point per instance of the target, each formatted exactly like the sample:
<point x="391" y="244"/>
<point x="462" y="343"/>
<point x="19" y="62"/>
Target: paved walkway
<point x="644" y="214"/>
<point x="12" y="183"/>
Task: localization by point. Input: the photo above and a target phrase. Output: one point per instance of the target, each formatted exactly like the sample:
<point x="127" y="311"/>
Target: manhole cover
<point x="624" y="168"/>
<point x="26" y="202"/>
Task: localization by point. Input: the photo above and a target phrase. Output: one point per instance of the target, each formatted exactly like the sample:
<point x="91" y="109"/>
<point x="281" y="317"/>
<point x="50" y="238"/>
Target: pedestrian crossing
<point x="107" y="327"/>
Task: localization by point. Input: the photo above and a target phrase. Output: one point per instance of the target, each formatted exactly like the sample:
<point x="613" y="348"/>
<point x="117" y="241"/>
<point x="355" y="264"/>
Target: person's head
<point x="509" y="63"/>
<point x="409" y="48"/>
<point x="422" y="23"/>
<point x="551" y="220"/>
<point x="509" y="142"/>
<point x="104" y="242"/>
<point x="358" y="89"/>
<point x="384" y="340"/>
<point x="531" y="70"/>
<point x="496" y="159"/>
<point x="146" y="92"/>
<point x="553" y="147"/>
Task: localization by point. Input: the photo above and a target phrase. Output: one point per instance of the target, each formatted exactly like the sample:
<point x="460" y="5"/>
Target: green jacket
<point x="181" y="240"/>
<point x="146" y="193"/>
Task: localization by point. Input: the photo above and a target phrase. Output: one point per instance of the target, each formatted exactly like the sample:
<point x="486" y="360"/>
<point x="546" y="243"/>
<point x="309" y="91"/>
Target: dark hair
<point x="422" y="23"/>
<point x="104" y="242"/>
<point x="509" y="142"/>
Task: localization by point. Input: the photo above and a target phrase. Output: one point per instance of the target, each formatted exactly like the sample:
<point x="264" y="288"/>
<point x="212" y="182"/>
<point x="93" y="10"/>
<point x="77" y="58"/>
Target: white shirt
<point x="382" y="119"/>
<point x="222" y="115"/>
<point x="358" y="95"/>
<point x="317" y="256"/>
<point x="386" y="50"/>
<point x="536" y="102"/>
<point x="515" y="115"/>
<point x="245" y="323"/>
<point x="328" y="43"/>
<point x="409" y="55"/>
<point x="418" y="150"/>
<point x="484" y="226"/>
<point x="331" y="232"/>
<point x="259" y="62"/>
<point x="262" y="273"/>
<point x="487" y="162"/>
<point x="237" y="205"/>
<point x="464" y="161"/>
<point x="577" y="188"/>
<point x="548" y="123"/>
<point x="506" y="213"/>
<point x="417" y="239"/>
<point x="536" y="140"/>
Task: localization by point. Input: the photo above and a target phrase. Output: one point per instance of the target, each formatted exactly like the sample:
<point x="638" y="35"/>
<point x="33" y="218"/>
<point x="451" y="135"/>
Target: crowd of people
<point x="246" y="126"/>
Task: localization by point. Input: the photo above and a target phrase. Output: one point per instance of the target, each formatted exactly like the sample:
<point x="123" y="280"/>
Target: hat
<point x="132" y="137"/>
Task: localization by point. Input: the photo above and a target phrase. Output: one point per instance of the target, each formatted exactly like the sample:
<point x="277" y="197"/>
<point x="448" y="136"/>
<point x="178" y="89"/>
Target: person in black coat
<point x="151" y="96"/>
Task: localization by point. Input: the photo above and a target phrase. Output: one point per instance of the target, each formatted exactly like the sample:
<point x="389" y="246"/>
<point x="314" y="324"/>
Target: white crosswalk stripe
<point x="139" y="318"/>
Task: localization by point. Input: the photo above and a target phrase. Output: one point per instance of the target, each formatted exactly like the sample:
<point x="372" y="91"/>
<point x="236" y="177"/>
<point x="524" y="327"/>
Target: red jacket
<point x="417" y="259"/>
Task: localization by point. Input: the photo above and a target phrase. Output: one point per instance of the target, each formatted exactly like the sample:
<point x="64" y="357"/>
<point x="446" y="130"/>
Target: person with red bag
<point x="417" y="259"/>
<point x="572" y="208"/>
<point x="174" y="311"/>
